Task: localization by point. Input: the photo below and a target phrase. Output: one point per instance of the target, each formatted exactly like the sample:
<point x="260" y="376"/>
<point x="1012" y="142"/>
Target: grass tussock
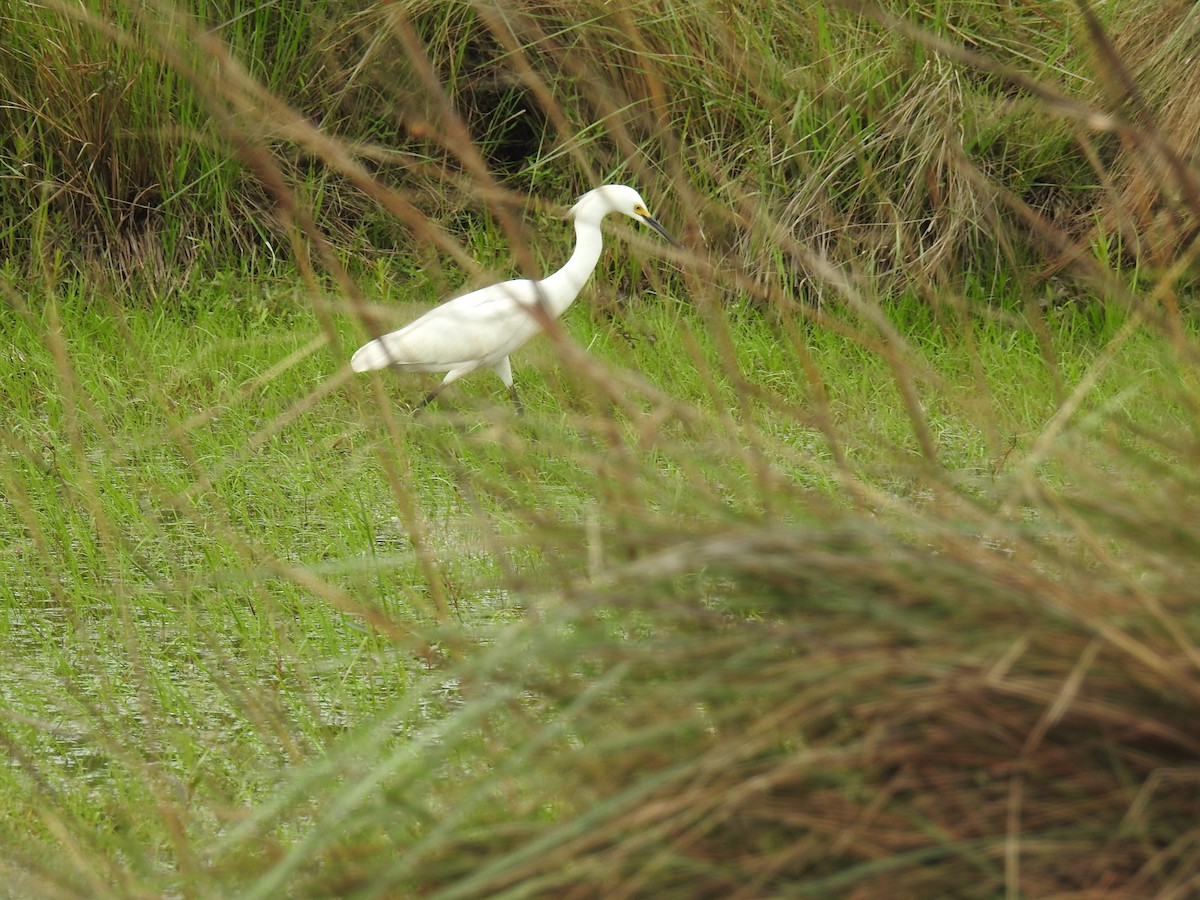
<point x="840" y="553"/>
<point x="850" y="137"/>
<point x="1142" y="208"/>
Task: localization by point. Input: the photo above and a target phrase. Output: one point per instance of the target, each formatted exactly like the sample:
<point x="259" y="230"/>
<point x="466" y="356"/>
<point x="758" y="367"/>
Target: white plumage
<point x="480" y="329"/>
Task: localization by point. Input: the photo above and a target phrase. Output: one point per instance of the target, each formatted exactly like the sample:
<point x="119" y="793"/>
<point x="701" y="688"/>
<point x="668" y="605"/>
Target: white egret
<point x="480" y="329"/>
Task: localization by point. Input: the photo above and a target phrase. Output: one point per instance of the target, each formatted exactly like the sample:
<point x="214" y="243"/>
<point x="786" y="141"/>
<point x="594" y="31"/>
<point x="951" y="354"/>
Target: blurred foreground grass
<point x="851" y="551"/>
<point x="264" y="634"/>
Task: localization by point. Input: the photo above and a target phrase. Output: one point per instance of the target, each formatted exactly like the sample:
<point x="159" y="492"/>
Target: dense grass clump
<point x="849" y="551"/>
<point x="777" y="126"/>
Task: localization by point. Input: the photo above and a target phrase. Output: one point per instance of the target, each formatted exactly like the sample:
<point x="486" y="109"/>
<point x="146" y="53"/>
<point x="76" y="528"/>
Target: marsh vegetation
<point x="851" y="550"/>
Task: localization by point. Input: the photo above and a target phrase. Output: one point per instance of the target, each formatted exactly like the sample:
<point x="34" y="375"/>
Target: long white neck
<point x="560" y="289"/>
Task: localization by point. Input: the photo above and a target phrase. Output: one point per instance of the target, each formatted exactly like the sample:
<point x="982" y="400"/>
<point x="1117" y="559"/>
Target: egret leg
<point x="504" y="370"/>
<point x="429" y="398"/>
<point x="512" y="392"/>
<point x="420" y="406"/>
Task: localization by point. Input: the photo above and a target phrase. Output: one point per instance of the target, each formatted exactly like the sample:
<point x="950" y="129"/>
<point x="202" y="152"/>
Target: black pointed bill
<point x="654" y="223"/>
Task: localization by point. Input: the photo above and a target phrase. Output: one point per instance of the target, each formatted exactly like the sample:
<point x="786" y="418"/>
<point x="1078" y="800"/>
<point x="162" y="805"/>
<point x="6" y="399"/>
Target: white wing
<point x="469" y="332"/>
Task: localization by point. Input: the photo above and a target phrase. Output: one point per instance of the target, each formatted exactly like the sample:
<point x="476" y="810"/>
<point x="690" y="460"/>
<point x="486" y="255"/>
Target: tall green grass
<point x="844" y="134"/>
<point x="850" y="551"/>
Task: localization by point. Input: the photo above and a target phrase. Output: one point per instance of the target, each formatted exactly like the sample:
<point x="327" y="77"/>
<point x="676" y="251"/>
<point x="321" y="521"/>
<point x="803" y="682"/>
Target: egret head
<point x="598" y="203"/>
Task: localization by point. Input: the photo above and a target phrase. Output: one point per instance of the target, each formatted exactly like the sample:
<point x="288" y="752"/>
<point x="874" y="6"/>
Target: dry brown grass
<point x="1147" y="74"/>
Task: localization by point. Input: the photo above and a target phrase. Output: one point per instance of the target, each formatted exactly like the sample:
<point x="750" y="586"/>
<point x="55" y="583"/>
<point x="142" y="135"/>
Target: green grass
<point x="135" y="142"/>
<point x="222" y="581"/>
<point x="850" y="551"/>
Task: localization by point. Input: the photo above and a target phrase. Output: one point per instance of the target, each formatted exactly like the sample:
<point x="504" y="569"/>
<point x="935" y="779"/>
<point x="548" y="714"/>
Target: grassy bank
<point x="156" y="139"/>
